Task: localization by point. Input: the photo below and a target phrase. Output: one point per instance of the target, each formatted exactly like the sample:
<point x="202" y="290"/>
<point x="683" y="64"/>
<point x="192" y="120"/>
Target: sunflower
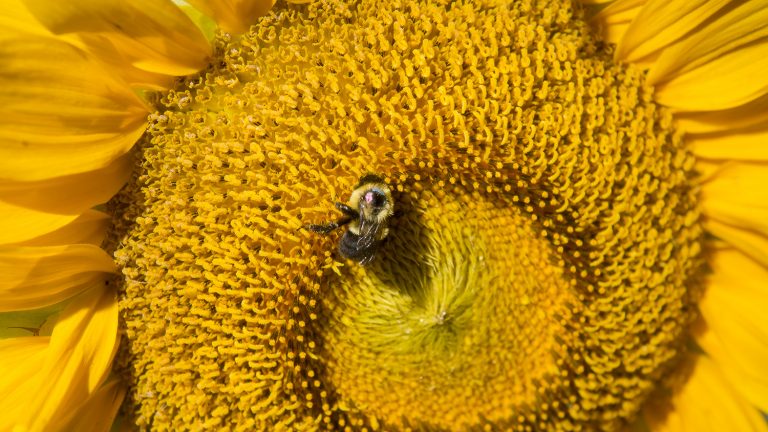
<point x="578" y="240"/>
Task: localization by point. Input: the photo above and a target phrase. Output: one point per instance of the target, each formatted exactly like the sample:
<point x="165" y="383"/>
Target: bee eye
<point x="375" y="199"/>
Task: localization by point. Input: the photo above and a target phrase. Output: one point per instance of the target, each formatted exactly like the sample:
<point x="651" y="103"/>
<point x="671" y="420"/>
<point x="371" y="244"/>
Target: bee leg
<point x="347" y="210"/>
<point x="329" y="227"/>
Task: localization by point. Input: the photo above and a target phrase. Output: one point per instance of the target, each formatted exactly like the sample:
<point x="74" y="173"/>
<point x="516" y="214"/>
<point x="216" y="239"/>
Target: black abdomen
<point x="353" y="248"/>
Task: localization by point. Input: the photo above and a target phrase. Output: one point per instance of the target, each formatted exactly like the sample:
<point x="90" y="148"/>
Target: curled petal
<point x="662" y="22"/>
<point x="152" y="35"/>
<point x="52" y="377"/>
<point x="234" y="15"/>
<point x="615" y="19"/>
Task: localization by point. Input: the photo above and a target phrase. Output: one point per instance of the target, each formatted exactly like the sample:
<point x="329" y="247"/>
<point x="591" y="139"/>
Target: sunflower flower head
<point x="540" y="272"/>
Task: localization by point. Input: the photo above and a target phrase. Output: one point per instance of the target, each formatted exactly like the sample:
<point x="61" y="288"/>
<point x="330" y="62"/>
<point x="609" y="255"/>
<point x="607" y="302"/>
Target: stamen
<point x="540" y="271"/>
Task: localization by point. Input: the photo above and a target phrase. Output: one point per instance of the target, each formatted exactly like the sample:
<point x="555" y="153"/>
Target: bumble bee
<point x="367" y="212"/>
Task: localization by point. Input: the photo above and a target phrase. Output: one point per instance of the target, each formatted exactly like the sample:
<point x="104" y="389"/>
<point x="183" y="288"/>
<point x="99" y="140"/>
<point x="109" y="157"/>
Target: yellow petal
<point x="34" y="322"/>
<point x="720" y="65"/>
<point x="737" y="196"/>
<point x="21" y="359"/>
<point x="103" y="50"/>
<point x="751" y="114"/>
<point x="98" y="412"/>
<point x="752" y="387"/>
<point x="734" y="79"/>
<point x="153" y="35"/>
<point x="705" y="402"/>
<point x="33" y="208"/>
<point x="82" y="347"/>
<point x="21" y="223"/>
<point x="17" y="19"/>
<point x="76" y="362"/>
<point x="662" y="22"/>
<point x="234" y="16"/>
<point x="708" y="168"/>
<point x="88" y="228"/>
<point x="60" y="113"/>
<point x="621" y="11"/>
<point x="744" y="144"/>
<point x="39" y="276"/>
<point x="734" y="331"/>
<point x="614" y="21"/>
<point x="750" y="242"/>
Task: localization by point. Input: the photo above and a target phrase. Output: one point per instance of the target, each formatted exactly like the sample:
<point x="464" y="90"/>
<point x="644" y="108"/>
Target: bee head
<point x="375" y="199"/>
<point x="375" y="203"/>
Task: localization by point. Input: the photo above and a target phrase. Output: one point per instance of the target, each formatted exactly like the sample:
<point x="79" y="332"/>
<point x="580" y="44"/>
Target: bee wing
<point x="368" y="233"/>
<point x="367" y="259"/>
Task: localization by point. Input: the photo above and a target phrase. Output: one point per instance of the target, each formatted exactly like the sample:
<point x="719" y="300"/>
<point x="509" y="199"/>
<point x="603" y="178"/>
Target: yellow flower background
<point x="579" y="241"/>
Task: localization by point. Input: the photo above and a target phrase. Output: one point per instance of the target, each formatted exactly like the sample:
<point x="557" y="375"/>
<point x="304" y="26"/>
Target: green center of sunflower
<point x="538" y="271"/>
<point x="460" y="317"/>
